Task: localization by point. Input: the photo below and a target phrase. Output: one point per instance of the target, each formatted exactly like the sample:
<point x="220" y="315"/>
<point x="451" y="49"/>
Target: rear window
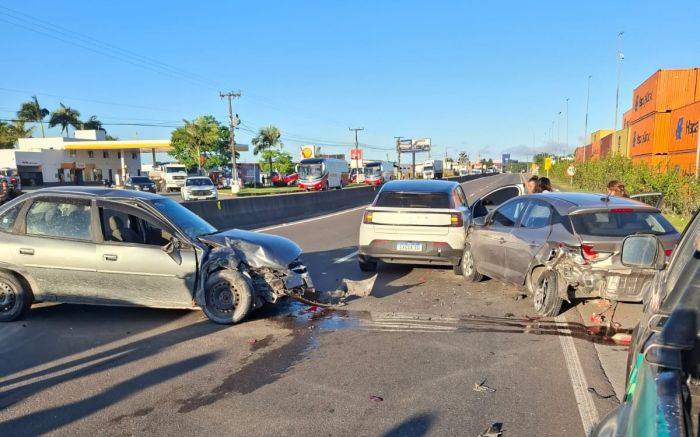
<point x="140" y="180"/>
<point x="621" y="224"/>
<point x="414" y="200"/>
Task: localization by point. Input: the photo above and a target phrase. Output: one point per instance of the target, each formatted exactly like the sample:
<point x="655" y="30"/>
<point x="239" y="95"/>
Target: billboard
<point x="406" y="145"/>
<point x="419" y="145"/>
<point x="356" y="154"/>
<point x="308" y="151"/>
<point x="505" y="160"/>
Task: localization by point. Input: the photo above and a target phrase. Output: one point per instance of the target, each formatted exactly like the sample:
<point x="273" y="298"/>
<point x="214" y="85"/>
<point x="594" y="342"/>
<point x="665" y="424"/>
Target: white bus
<point x="322" y="173"/>
<point x="376" y="173"/>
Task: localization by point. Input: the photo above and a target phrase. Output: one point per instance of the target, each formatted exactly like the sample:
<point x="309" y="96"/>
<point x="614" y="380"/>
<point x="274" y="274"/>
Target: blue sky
<point x="480" y="77"/>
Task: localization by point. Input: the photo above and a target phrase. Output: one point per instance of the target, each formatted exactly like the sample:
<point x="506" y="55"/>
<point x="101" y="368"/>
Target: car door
<point x="488" y="202"/>
<point x="55" y="247"/>
<point x="488" y="243"/>
<point x="526" y="239"/>
<point x="651" y="199"/>
<point x="132" y="263"/>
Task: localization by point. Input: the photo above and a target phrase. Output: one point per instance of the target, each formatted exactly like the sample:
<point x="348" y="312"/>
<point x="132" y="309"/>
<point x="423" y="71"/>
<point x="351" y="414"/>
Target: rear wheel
<point x="15" y="299"/>
<point x="546" y="294"/>
<point x="468" y="267"/>
<point x="367" y="266"/>
<point x="228" y="296"/>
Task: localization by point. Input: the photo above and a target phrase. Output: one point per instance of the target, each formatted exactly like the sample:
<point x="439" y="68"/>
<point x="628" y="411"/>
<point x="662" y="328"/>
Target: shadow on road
<point x="417" y="425"/>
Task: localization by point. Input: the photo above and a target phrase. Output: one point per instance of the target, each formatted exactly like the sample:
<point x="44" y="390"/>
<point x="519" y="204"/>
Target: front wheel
<point x="15" y="300"/>
<point x="546" y="294"/>
<point x="228" y="296"/>
<point x="468" y="267"/>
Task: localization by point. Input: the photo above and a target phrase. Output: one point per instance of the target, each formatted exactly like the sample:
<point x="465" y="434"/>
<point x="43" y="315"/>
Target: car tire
<point x="15" y="299"/>
<point x="228" y="296"/>
<point x="546" y="298"/>
<point x="367" y="266"/>
<point x="467" y="266"/>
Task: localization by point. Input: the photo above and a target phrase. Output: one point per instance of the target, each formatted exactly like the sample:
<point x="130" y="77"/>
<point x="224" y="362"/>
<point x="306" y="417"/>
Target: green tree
<point x="282" y="161"/>
<point x="201" y="137"/>
<point x="463" y="157"/>
<point x="92" y="123"/>
<point x="109" y="137"/>
<point x="268" y="138"/>
<point x="32" y="112"/>
<point x="220" y="155"/>
<point x="9" y="133"/>
<point x="65" y="116"/>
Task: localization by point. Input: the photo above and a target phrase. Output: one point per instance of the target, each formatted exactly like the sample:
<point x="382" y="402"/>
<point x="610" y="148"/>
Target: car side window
<point x="7" y="218"/>
<point x="61" y="219"/>
<point x="538" y="215"/>
<point x="507" y="215"/>
<point x="683" y="253"/>
<point x="462" y="197"/>
<point x="118" y="226"/>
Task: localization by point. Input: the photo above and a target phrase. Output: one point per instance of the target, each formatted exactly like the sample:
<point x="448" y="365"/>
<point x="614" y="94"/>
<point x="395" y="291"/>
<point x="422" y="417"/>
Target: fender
<point x="548" y="258"/>
<point x="218" y="258"/>
<point x="23" y="275"/>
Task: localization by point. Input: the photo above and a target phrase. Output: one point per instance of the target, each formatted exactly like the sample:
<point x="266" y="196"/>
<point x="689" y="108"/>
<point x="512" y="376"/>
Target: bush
<point x="681" y="192"/>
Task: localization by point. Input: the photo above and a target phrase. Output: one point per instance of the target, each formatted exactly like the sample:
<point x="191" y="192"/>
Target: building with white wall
<point x="86" y="158"/>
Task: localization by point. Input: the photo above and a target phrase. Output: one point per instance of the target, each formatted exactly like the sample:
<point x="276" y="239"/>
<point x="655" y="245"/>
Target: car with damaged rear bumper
<point x="561" y="246"/>
<point x="102" y="246"/>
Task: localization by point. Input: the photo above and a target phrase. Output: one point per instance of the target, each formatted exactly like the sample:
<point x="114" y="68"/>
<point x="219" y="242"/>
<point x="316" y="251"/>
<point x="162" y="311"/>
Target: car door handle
<point x="501" y="240"/>
<point x="25" y="251"/>
<point x="109" y="257"/>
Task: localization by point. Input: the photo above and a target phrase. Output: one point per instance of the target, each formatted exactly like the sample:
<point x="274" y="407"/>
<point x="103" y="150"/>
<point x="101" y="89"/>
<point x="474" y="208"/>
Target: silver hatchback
<point x="564" y="245"/>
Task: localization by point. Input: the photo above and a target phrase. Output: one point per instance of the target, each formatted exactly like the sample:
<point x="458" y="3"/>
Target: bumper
<point x="430" y="253"/>
<point x="373" y="181"/>
<point x="210" y="197"/>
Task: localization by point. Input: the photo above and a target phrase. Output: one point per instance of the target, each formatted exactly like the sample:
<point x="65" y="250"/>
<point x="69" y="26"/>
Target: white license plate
<point x="409" y="247"/>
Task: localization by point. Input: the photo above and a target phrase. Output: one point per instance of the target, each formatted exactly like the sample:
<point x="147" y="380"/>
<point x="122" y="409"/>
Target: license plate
<point x="409" y="247"/>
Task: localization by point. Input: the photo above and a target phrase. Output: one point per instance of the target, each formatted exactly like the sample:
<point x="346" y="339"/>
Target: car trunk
<point x="411" y="221"/>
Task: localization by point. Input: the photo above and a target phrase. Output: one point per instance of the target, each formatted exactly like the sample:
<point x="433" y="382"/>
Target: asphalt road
<point x="403" y="361"/>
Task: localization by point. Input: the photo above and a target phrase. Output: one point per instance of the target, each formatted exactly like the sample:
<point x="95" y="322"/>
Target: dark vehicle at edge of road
<point x="127" y="248"/>
<point x="663" y="362"/>
<point x="562" y="246"/>
<point x="140" y="183"/>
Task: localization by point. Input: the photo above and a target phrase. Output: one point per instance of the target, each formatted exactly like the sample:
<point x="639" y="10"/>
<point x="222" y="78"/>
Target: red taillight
<point x="621" y="210"/>
<point x="367" y="219"/>
<point x="588" y="252"/>
<point x="456" y="220"/>
<point x="668" y="252"/>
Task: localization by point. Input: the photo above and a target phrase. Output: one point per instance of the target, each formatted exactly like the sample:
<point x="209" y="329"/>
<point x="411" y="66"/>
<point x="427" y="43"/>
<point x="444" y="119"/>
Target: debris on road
<point x="483" y="388"/>
<point x="495" y="430"/>
<point x="595" y="392"/>
<point x="508" y="315"/>
<point x="520" y="296"/>
<point x="376" y="398"/>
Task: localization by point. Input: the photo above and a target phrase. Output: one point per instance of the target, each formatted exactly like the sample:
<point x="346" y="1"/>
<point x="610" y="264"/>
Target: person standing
<point x="544" y="185"/>
<point x="532" y="184"/>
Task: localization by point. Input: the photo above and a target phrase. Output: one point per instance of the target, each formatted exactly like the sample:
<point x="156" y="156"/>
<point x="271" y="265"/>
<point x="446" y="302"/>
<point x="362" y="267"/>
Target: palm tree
<point x="33" y="112"/>
<point x="92" y="124"/>
<point x="65" y="116"/>
<point x="267" y="138"/>
<point x="21" y="131"/>
<point x="463" y="157"/>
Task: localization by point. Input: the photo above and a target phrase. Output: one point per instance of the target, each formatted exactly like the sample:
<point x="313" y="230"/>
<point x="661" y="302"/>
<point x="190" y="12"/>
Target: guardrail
<point x="260" y="211"/>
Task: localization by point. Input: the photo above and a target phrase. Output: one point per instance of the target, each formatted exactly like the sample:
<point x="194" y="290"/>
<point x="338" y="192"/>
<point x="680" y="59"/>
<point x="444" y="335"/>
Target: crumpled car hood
<point x="256" y="249"/>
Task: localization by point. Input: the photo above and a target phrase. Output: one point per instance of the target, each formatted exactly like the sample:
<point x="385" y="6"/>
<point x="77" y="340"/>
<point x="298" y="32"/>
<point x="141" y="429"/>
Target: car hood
<point x="256" y="249"/>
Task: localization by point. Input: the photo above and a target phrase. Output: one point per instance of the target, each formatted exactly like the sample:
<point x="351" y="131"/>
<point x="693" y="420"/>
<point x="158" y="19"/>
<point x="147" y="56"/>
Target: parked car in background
<point x="199" y="188"/>
<point x="279" y="180"/>
<point x="563" y="245"/>
<point x="415" y="222"/>
<point x="130" y="248"/>
<point x="140" y="183"/>
<point x="463" y="172"/>
<point x="663" y="364"/>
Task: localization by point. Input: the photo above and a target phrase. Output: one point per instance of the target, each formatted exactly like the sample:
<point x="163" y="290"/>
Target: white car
<point x="199" y="188"/>
<point x="415" y="222"/>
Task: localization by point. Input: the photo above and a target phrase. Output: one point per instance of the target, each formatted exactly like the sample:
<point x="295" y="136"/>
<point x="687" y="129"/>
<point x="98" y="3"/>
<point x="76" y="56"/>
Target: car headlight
<point x="137" y="187"/>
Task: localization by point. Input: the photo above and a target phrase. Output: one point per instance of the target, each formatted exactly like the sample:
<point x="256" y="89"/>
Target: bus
<point x="376" y="173"/>
<point x="322" y="173"/>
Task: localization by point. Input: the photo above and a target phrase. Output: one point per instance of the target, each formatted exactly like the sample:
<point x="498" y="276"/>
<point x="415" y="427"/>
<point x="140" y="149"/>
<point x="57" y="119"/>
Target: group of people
<point x="7" y="192"/>
<point x="543" y="185"/>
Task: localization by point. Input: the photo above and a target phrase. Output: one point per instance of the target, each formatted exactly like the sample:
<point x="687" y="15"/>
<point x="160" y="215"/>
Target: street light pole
<point x="585" y="126"/>
<point x="398" y="156"/>
<point x="559" y="129"/>
<point x="567" y="125"/>
<point x="620" y="57"/>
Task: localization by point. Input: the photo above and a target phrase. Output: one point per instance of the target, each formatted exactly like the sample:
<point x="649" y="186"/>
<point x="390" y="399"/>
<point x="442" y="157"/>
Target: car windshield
<point x="373" y="170"/>
<point x="394" y="199"/>
<point x="310" y="171"/>
<point x="175" y="169"/>
<point x="140" y="180"/>
<point x="428" y="168"/>
<point x="621" y="224"/>
<point x="188" y="222"/>
<point x="199" y="182"/>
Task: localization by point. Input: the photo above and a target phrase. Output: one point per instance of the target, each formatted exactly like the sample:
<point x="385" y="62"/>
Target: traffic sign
<point x="547" y="163"/>
<point x="356" y="154"/>
<point x="307" y="151"/>
<point x="571" y="171"/>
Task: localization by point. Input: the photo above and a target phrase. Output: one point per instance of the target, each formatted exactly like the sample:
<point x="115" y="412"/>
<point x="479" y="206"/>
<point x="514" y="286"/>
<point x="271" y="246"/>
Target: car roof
<point x="588" y="200"/>
<point x="93" y="192"/>
<point x="421" y="186"/>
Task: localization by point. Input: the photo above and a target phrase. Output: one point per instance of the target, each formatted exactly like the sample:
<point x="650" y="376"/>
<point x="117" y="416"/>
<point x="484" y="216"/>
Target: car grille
<point x="201" y="192"/>
<point x="179" y="178"/>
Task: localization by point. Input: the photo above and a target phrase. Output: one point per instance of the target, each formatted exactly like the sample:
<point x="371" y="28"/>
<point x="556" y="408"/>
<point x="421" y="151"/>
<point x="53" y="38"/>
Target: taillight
<point x="621" y="210"/>
<point x="367" y="219"/>
<point x="456" y="220"/>
<point x="591" y="255"/>
<point x="668" y="252"/>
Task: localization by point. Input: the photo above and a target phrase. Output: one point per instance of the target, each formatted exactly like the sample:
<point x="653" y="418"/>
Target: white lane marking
<point x="586" y="408"/>
<point x="346" y="257"/>
<point x="284" y="225"/>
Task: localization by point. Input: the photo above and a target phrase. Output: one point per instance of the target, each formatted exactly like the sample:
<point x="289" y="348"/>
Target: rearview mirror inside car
<point x="642" y="251"/>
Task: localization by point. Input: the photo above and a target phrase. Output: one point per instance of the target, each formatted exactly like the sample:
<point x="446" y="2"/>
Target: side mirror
<point x="480" y="221"/>
<point x="643" y="251"/>
<point x="172" y="248"/>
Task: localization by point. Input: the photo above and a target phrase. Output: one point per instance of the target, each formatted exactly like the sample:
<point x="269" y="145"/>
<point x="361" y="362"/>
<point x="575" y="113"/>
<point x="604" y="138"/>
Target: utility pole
<point x="398" y="155"/>
<point x="232" y="123"/>
<point x="567" y="126"/>
<point x="559" y="129"/>
<point x="620" y="57"/>
<point x="357" y="159"/>
<point x="585" y="126"/>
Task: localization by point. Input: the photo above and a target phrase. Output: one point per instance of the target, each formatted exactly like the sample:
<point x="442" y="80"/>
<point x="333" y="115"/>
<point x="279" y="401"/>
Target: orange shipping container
<point x="626" y="118"/>
<point x="606" y="146"/>
<point x="664" y="91"/>
<point x="650" y="135"/>
<point x="659" y="163"/>
<point x="587" y="152"/>
<point x="683" y="162"/>
<point x="621" y="142"/>
<point x="578" y="154"/>
<point x="599" y="134"/>
<point x="642" y="159"/>
<point x="684" y="128"/>
<point x="595" y="150"/>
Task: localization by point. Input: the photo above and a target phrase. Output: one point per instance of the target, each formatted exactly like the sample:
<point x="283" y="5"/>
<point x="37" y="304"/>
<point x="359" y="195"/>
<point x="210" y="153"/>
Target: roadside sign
<point x="547" y="163"/>
<point x="356" y="154"/>
<point x="307" y="152"/>
<point x="571" y="171"/>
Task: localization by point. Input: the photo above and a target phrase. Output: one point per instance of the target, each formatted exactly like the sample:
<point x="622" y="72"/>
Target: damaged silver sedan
<point x="116" y="247"/>
<point x="561" y="246"/>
